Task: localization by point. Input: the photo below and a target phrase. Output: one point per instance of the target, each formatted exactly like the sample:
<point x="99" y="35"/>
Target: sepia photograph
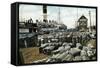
<point x="56" y="34"/>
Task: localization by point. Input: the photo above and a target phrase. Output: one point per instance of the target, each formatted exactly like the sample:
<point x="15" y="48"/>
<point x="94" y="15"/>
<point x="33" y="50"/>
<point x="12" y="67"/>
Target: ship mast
<point x="76" y="23"/>
<point x="59" y="19"/>
<point x="90" y="20"/>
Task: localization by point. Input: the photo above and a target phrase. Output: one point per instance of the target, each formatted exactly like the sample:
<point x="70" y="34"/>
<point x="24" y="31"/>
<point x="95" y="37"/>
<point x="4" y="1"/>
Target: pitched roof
<point x="82" y="17"/>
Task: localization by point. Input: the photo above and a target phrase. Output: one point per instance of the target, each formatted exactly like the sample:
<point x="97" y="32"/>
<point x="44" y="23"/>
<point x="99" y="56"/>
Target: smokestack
<point x="44" y="13"/>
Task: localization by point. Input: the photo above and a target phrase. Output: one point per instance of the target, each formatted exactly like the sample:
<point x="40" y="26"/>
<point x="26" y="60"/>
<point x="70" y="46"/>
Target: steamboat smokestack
<point x="44" y="13"/>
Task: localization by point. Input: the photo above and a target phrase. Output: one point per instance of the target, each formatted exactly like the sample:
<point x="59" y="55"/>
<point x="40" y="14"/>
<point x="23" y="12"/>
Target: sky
<point x="68" y="15"/>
